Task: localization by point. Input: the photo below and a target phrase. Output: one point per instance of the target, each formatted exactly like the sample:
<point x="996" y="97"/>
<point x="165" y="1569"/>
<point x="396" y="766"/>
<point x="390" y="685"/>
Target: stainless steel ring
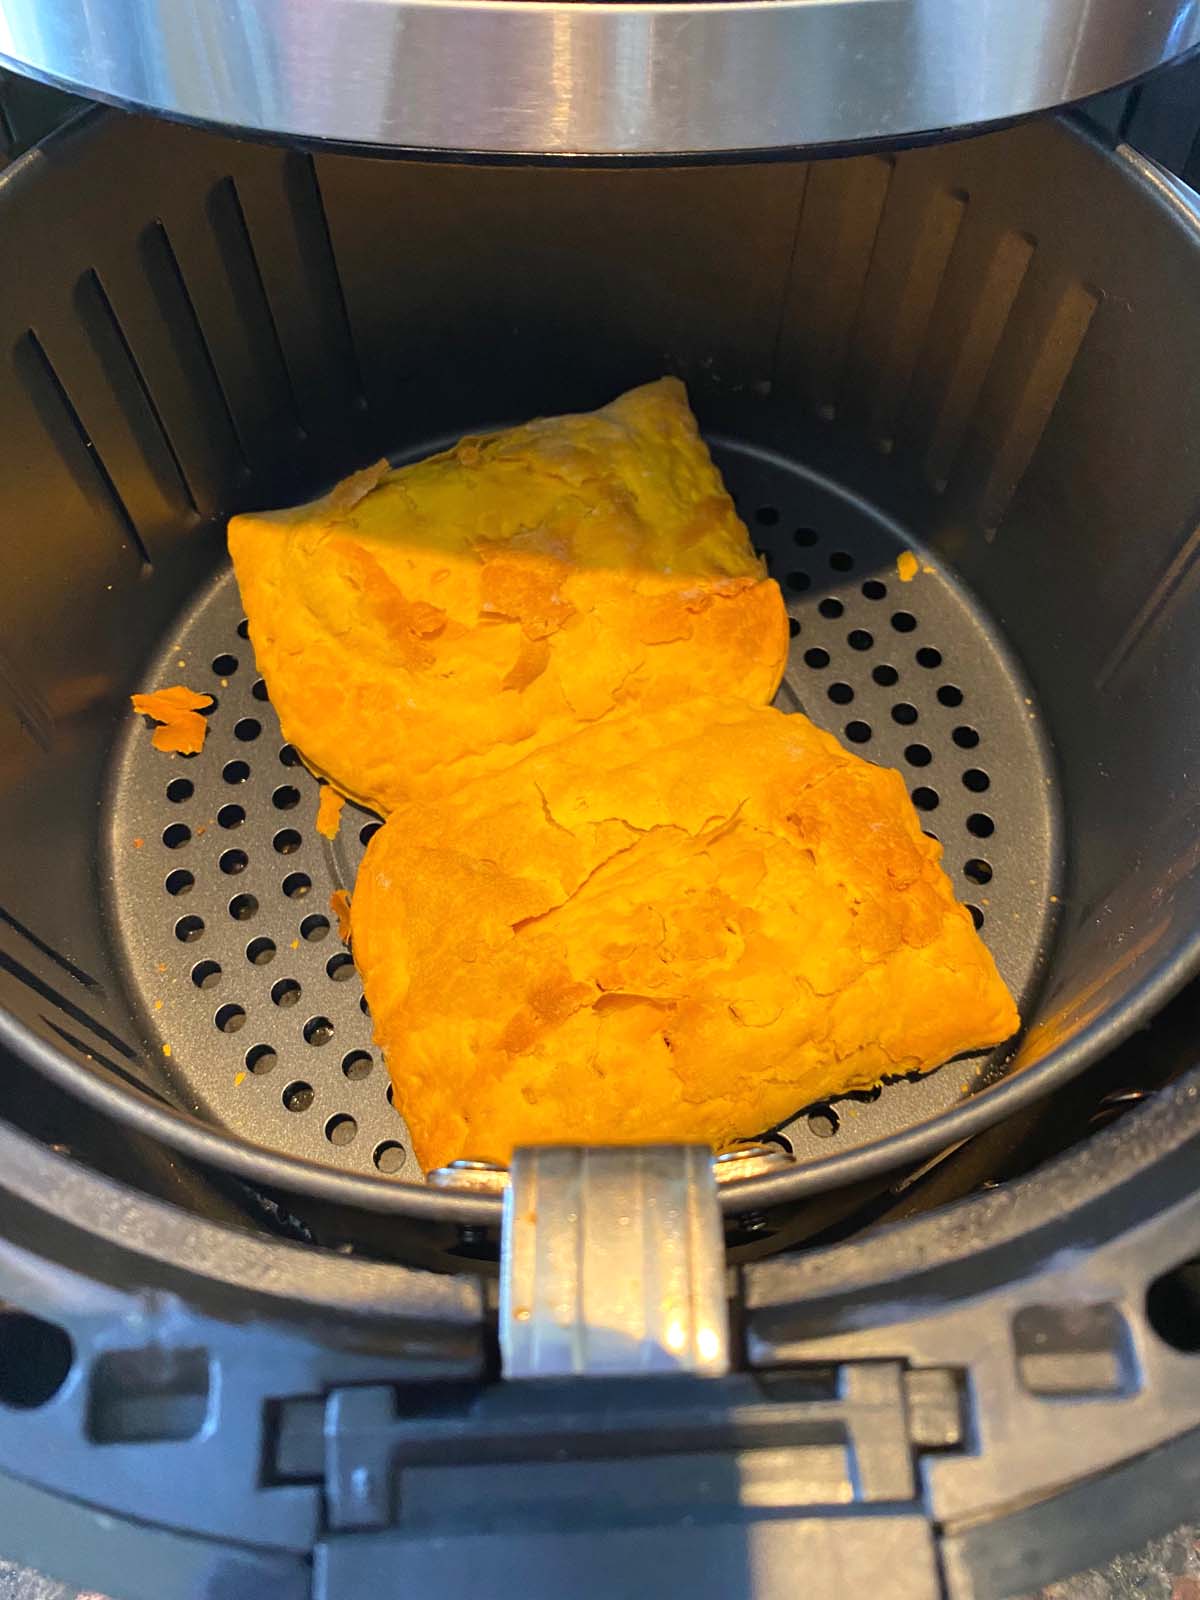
<point x="560" y="78"/>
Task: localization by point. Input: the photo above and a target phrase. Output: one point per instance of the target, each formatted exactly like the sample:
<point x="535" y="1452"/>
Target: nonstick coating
<point x="954" y="349"/>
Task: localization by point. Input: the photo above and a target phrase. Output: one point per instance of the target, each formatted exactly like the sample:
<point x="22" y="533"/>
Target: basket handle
<point x="612" y="1264"/>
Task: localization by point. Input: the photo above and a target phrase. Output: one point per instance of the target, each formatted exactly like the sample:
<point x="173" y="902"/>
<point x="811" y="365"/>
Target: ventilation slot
<point x="842" y="208"/>
<point x="50" y="953"/>
<point x="1030" y="370"/>
<point x="178" y="313"/>
<point x="73" y="441"/>
<point x="61" y="1003"/>
<point x="916" y="239"/>
<point x="982" y="279"/>
<point x="304" y="174"/>
<point x="90" y="1055"/>
<point x="242" y="332"/>
<point x="104" y="327"/>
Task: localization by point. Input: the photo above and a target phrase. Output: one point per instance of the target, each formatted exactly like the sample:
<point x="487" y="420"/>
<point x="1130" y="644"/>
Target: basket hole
<point x="189" y="929"/>
<point x="980" y="825"/>
<point x="314" y="928"/>
<point x="285" y="993"/>
<point x="180" y="789"/>
<point x="296" y="885"/>
<point x="860" y="639"/>
<point x="364" y="1007"/>
<point x="886" y="677"/>
<point x="902" y="621"/>
<point x="874" y="590"/>
<point x="842" y="561"/>
<point x="35" y="1360"/>
<point x="368" y="831"/>
<point x="179" y="882"/>
<point x="340" y="967"/>
<point x="243" y="628"/>
<point x="927" y="656"/>
<point x="260" y="1059"/>
<point x="793" y="627"/>
<point x="798" y="582"/>
<point x="978" y="870"/>
<point x="965" y="738"/>
<point x="232" y="862"/>
<point x="340" y="1130"/>
<point x="976" y="916"/>
<point x="976" y="780"/>
<point x="247" y="729"/>
<point x="287" y="841"/>
<point x="289" y="756"/>
<point x="840" y="693"/>
<point x="318" y="1031"/>
<point x="176" y="835"/>
<point x="830" y="607"/>
<point x="260" y="951"/>
<point x="389" y="1094"/>
<point x="926" y="799"/>
<point x="389" y="1156"/>
<point x="286" y="797"/>
<point x="206" y="974"/>
<point x="235" y="771"/>
<point x="858" y="732"/>
<point x="230" y="1018"/>
<point x="950" y="695"/>
<point x="242" y="907"/>
<point x="356" y="1065"/>
<point x="298" y="1096"/>
<point x="918" y="755"/>
<point x="768" y="516"/>
<point x="231" y="816"/>
<point x="259" y="689"/>
<point x="904" y="714"/>
<point x="806" y="537"/>
<point x="225" y="665"/>
<point x="823" y="1123"/>
<point x="816" y="657"/>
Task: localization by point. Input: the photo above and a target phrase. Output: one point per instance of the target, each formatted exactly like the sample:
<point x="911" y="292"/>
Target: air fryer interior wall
<point x="984" y="349"/>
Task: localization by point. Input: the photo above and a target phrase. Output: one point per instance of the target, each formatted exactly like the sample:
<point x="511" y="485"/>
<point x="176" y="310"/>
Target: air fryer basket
<point x="983" y="352"/>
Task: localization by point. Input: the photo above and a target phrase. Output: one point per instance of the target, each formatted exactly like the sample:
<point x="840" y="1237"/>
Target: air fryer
<point x="245" y="1344"/>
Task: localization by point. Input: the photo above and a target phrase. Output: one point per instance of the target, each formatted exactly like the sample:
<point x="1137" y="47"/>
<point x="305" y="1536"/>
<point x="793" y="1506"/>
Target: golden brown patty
<point x="420" y="626"/>
<point x="680" y="924"/>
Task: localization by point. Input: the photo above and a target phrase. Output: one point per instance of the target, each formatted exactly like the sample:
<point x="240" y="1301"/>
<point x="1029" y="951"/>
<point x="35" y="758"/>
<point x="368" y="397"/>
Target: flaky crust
<point x="420" y="626"/>
<point x="681" y="924"/>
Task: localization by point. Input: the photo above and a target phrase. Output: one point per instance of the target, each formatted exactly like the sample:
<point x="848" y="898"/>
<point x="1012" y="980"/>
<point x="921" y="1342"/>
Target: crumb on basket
<point x="177" y="711"/>
<point x="339" y="904"/>
<point x="329" y="811"/>
<point x="907" y="566"/>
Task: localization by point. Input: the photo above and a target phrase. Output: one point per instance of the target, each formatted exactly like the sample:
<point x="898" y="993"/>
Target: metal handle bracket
<point x="612" y="1263"/>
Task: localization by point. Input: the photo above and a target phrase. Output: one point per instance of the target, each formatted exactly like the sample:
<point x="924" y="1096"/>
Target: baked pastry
<point x="683" y="923"/>
<point x="422" y="625"/>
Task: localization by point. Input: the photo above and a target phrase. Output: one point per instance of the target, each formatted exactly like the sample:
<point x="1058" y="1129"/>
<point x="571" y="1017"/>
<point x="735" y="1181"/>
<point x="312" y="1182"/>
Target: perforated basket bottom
<point x="251" y="1003"/>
